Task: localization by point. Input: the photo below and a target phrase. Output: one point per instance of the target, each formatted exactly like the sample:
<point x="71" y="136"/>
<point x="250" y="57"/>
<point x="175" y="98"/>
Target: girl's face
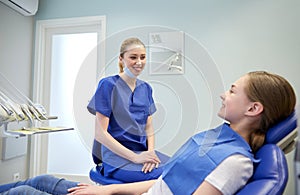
<point x="235" y="102"/>
<point x="134" y="59"/>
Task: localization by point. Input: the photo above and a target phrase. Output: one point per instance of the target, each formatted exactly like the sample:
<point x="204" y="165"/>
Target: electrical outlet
<point x="16" y="176"/>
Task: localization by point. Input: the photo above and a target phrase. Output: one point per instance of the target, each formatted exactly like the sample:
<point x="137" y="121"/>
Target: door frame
<point x="38" y="158"/>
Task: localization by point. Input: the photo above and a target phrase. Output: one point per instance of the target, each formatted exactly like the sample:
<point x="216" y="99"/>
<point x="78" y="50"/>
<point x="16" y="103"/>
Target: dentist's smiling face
<point x="134" y="58"/>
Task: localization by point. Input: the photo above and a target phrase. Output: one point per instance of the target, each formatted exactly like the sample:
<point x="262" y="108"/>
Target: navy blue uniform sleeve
<point x="101" y="101"/>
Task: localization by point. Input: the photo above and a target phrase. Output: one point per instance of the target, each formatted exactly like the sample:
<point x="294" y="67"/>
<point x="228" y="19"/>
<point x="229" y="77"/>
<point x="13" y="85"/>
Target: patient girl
<point x="250" y="111"/>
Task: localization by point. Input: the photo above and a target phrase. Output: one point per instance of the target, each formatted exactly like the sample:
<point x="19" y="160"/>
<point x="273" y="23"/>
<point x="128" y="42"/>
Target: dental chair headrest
<point x="283" y="133"/>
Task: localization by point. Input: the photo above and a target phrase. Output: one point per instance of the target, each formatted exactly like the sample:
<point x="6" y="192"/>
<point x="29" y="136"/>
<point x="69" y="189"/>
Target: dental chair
<point x="270" y="174"/>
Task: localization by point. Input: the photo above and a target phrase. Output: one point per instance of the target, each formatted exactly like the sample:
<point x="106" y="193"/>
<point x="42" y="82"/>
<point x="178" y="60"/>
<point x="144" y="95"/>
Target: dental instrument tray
<point x="37" y="130"/>
<point x="26" y="117"/>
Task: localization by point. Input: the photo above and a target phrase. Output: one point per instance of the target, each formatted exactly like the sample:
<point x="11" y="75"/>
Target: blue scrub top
<point x="128" y="112"/>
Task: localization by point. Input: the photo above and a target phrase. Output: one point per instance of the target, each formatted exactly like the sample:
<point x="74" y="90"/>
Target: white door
<point x="68" y="54"/>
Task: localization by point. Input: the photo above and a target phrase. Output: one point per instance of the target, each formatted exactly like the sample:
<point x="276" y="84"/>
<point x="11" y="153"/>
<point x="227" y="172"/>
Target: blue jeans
<point x="39" y="185"/>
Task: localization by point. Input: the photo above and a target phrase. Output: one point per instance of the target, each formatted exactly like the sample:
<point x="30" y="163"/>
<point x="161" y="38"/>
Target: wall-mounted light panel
<point x="166" y="51"/>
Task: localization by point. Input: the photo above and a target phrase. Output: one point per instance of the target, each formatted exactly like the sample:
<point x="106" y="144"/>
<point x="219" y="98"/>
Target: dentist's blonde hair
<point x="126" y="43"/>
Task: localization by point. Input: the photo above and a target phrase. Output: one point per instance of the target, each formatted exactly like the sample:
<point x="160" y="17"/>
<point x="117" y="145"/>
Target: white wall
<point x="16" y="39"/>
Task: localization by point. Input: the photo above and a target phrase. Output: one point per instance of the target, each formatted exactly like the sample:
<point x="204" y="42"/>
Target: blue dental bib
<point x="200" y="155"/>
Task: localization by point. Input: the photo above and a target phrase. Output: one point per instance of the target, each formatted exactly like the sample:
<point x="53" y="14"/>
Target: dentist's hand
<point x="146" y="157"/>
<point x="148" y="167"/>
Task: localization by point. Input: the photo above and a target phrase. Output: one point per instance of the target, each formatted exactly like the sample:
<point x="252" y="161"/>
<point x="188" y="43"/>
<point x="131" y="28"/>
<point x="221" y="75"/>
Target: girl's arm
<point x="207" y="189"/>
<point x="136" y="188"/>
<point x="102" y="136"/>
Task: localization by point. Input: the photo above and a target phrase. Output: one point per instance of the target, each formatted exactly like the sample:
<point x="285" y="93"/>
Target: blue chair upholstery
<point x="96" y="152"/>
<point x="270" y="174"/>
<point x="96" y="173"/>
<point x="282" y="129"/>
